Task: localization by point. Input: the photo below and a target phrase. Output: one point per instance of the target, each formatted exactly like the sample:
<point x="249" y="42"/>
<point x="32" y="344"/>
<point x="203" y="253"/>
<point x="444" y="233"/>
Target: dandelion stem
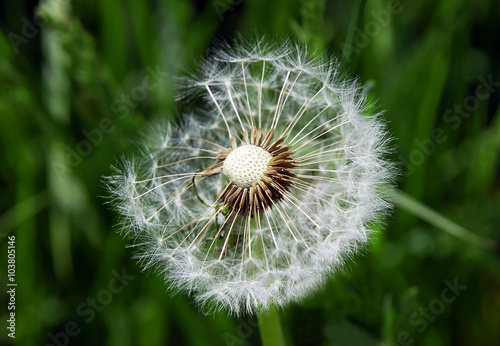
<point x="271" y="332"/>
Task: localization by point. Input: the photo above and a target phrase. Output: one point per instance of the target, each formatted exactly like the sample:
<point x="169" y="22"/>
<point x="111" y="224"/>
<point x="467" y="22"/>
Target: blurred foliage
<point x="72" y="100"/>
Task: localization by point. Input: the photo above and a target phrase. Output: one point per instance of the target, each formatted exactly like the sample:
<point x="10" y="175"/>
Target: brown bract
<point x="274" y="183"/>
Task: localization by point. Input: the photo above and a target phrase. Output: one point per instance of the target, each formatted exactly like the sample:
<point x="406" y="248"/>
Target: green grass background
<point x="60" y="80"/>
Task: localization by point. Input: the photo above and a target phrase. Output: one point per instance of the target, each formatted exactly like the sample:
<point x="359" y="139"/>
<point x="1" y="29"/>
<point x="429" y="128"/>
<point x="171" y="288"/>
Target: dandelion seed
<point x="254" y="200"/>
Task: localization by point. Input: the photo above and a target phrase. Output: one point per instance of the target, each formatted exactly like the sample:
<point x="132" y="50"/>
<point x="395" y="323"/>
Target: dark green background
<point x="423" y="62"/>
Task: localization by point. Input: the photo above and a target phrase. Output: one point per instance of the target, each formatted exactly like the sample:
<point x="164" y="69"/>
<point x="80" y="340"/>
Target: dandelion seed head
<point x="266" y="189"/>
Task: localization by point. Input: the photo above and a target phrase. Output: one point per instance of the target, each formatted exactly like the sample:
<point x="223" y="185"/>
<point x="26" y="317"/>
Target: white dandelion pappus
<point x="260" y="196"/>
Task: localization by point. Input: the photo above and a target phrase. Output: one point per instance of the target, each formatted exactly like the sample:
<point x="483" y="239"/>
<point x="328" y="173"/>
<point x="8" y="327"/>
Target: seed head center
<point x="246" y="165"/>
